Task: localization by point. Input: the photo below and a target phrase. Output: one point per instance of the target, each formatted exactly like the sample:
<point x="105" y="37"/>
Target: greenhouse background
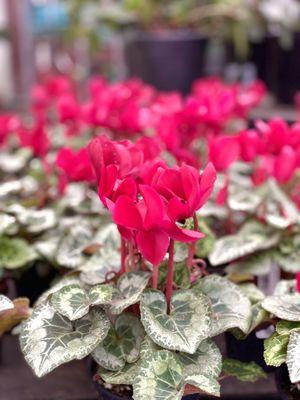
<point x="149" y="199"/>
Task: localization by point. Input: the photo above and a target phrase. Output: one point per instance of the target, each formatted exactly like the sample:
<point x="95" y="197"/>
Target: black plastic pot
<point x="247" y="350"/>
<point x="286" y="390"/>
<point x="169" y="60"/>
<point x="105" y="394"/>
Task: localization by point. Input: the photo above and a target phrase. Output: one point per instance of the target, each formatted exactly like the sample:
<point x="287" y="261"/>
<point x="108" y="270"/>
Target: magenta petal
<point x="126" y="213"/>
<point x="153" y="245"/>
<point x="155" y="207"/>
<point x="177" y="210"/>
<point x="127" y="187"/>
<point x="182" y="235"/>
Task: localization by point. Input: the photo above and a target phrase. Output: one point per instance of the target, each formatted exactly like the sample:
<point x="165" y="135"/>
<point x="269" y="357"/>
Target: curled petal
<point x="153" y="245"/>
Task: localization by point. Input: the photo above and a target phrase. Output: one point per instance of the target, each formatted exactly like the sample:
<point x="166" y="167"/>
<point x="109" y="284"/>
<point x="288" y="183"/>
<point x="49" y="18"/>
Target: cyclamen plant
<point x="148" y="323"/>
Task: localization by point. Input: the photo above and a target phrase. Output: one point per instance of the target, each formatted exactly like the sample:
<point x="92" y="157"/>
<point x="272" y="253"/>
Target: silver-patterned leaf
<point x="5" y="303"/>
<point x="101" y="294"/>
<point x="160" y="377"/>
<point x="185" y="327"/>
<point x="207" y="360"/>
<point x="16" y="161"/>
<point x="254" y="294"/>
<point x="122" y="344"/>
<point x="71" y="301"/>
<point x="289" y="262"/>
<point x="244" y="200"/>
<point x="231" y="308"/>
<point x="206" y="384"/>
<point x="293" y="357"/>
<point x="286" y="307"/>
<point x="70" y="250"/>
<point x="286" y="327"/>
<point x="130" y="289"/>
<point x="106" y="260"/>
<point x="285" y="286"/>
<point x="256" y="264"/>
<point x="8" y="224"/>
<point x="10" y="188"/>
<point x="125" y="376"/>
<point x="49" y="339"/>
<point x="64" y="281"/>
<point x="275" y="349"/>
<point x="37" y="221"/>
<point x="15" y="253"/>
<point x="244" y="371"/>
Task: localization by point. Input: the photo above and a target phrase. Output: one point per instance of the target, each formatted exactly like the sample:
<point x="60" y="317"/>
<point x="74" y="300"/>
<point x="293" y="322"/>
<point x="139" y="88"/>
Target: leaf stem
<point x="123" y="256"/>
<point x="192" y="246"/>
<point x="170" y="275"/>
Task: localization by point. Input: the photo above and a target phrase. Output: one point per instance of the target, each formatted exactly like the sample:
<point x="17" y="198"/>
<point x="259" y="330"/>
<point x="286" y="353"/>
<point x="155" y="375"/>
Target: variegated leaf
<point x="207" y="360"/>
<point x="185" y="327"/>
<point x="205" y="245"/>
<point x="62" y="282"/>
<point x="71" y="301"/>
<point x="122" y="344"/>
<point x="246" y="372"/>
<point x="230" y="307"/>
<point x="16" y="161"/>
<point x="125" y="376"/>
<point x="286" y="327"/>
<point x="8" y="224"/>
<point x="181" y="276"/>
<point x="251" y="238"/>
<point x="69" y="252"/>
<point x="256" y="264"/>
<point x="15" y="253"/>
<point x="37" y="221"/>
<point x="49" y="339"/>
<point x="130" y="288"/>
<point x="160" y="377"/>
<point x="285" y="286"/>
<point x="275" y="349"/>
<point x="289" y="262"/>
<point x="244" y="200"/>
<point x="206" y="384"/>
<point x="5" y="303"/>
<point x="285" y="307"/>
<point x="252" y="292"/>
<point x="101" y="294"/>
<point x="293" y="357"/>
<point x="106" y="260"/>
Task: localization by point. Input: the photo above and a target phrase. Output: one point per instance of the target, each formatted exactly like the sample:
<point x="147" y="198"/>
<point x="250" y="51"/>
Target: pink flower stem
<point x="123" y="256"/>
<point x="192" y="246"/>
<point x="155" y="273"/>
<point x="170" y="275"/>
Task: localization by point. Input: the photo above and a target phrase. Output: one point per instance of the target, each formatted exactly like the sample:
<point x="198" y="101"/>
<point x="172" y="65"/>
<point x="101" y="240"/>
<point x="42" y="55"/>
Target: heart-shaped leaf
<point x="122" y="344"/>
<point x="160" y="377"/>
<point x="285" y="286"/>
<point x="245" y="372"/>
<point x="293" y="357"/>
<point x="275" y="349"/>
<point x="66" y="280"/>
<point x="49" y="339"/>
<point x="256" y="264"/>
<point x="230" y="307"/>
<point x="206" y="384"/>
<point x="186" y="326"/>
<point x="284" y="307"/>
<point x="8" y="224"/>
<point x="207" y="360"/>
<point x="37" y="221"/>
<point x="15" y="253"/>
<point x="254" y="294"/>
<point x="74" y="302"/>
<point x="130" y="288"/>
<point x="125" y="376"/>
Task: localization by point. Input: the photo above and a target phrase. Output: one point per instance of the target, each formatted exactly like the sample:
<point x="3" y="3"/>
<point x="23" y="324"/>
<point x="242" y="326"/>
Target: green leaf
<point x="160" y="377"/>
<point x="284" y="307"/>
<point x="256" y="264"/>
<point x="49" y="339"/>
<point x="244" y="200"/>
<point x="181" y="274"/>
<point x="101" y="294"/>
<point x="285" y="287"/>
<point x="122" y="344"/>
<point x="184" y="328"/>
<point x="205" y="245"/>
<point x="62" y="282"/>
<point x="15" y="253"/>
<point x="5" y="303"/>
<point x="7" y="224"/>
<point x="205" y="383"/>
<point x="36" y="221"/>
<point x="252" y="292"/>
<point x="285" y="327"/>
<point x="246" y="372"/>
<point x="130" y="289"/>
<point x="71" y="301"/>
<point x="106" y="260"/>
<point x="207" y="360"/>
<point x="69" y="253"/>
<point x="275" y="349"/>
<point x="230" y="307"/>
<point x="293" y="357"/>
<point x="251" y="238"/>
<point x="125" y="376"/>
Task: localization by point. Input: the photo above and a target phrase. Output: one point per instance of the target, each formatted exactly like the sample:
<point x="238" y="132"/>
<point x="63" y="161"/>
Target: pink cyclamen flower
<point x="223" y="151"/>
<point x="285" y="164"/>
<point x="298" y="282"/>
<point x="75" y="165"/>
